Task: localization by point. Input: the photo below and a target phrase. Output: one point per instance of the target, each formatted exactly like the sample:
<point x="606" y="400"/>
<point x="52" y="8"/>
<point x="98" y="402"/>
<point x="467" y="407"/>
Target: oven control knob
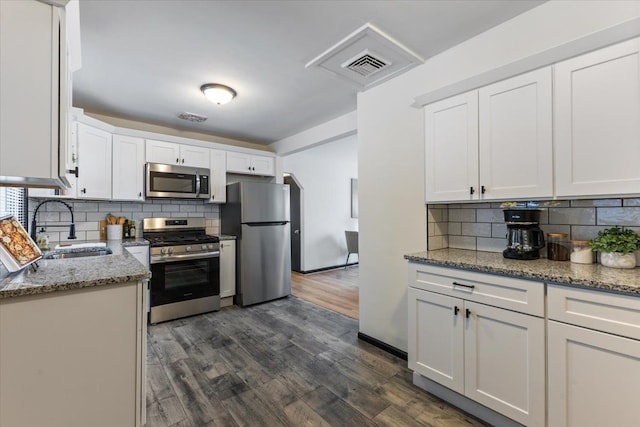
<point x="211" y="246"/>
<point x="204" y="247"/>
<point x="170" y="251"/>
<point x="163" y="251"/>
<point x="188" y="249"/>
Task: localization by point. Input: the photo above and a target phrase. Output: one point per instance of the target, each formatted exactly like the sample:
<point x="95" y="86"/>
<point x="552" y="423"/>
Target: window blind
<point x="13" y="202"/>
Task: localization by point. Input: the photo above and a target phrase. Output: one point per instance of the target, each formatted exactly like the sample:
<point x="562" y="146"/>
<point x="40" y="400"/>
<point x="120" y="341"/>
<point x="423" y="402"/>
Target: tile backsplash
<point x="55" y="217"/>
<point x="480" y="226"/>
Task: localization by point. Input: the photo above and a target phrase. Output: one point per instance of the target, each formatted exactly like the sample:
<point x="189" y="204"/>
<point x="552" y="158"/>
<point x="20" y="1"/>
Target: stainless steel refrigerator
<point x="258" y="214"/>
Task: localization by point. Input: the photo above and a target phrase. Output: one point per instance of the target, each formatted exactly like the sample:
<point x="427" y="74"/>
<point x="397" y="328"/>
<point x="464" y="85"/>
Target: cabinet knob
<point x="455" y="310"/>
<point x="182" y="161"/>
<point x="140" y="194"/>
<point x="177" y="160"/>
<point x="482" y="189"/>
<point x="467" y="313"/>
<point x="83" y="191"/>
<point x="471" y="190"/>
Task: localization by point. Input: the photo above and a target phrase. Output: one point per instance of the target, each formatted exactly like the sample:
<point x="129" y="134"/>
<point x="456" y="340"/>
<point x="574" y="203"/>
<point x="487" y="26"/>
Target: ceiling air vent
<point x="366" y="57"/>
<point x="192" y="117"/>
<point x="366" y="63"/>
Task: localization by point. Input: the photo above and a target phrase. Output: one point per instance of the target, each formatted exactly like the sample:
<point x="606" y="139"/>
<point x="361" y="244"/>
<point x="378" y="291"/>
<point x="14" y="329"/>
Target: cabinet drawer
<point x="520" y="295"/>
<point x="616" y="314"/>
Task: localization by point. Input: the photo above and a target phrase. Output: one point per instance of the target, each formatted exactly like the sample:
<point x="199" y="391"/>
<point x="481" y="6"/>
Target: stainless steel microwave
<point x="170" y="181"/>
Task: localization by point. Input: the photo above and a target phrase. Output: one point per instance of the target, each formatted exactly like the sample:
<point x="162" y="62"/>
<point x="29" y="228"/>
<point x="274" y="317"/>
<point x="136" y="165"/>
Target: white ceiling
<point x="145" y="60"/>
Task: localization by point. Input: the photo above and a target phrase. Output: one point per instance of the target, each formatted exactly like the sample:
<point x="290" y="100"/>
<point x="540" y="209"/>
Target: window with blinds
<point x="13" y="202"/>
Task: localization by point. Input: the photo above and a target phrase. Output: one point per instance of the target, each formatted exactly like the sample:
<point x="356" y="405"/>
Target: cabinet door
<point x="597" y="125"/>
<point x="197" y="157"/>
<point x="69" y="353"/>
<point x="262" y="165"/>
<point x="218" y="179"/>
<point x="504" y="362"/>
<point x="451" y="149"/>
<point x="516" y="153"/>
<point x="436" y="342"/>
<point x="238" y="162"/>
<point x="162" y="152"/>
<point x="28" y="90"/>
<point x="94" y="159"/>
<point x="593" y="378"/>
<point x="128" y="168"/>
<point x="227" y="268"/>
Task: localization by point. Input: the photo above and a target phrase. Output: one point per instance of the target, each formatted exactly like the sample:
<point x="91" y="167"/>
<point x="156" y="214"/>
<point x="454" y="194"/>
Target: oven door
<point x="183" y="280"/>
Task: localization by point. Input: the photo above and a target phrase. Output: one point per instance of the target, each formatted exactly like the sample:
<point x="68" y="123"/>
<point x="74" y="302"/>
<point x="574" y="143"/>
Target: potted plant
<point x="617" y="247"/>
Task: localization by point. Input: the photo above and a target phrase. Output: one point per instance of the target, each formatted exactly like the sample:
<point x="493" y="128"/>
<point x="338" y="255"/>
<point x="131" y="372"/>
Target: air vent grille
<point x="192" y="117"/>
<point x="366" y="64"/>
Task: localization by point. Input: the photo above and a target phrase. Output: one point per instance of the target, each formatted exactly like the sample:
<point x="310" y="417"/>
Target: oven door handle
<point x="198" y="184"/>
<point x="185" y="257"/>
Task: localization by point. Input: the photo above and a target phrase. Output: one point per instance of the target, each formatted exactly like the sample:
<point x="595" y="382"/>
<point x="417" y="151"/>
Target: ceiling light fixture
<point x="217" y="93"/>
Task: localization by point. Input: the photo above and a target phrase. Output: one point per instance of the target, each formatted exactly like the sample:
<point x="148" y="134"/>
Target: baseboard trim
<point x="383" y="345"/>
<point x="317" y="270"/>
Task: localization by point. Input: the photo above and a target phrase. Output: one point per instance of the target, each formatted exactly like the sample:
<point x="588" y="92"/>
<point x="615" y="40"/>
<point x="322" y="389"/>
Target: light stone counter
<point x="75" y="273"/>
<point x="593" y="276"/>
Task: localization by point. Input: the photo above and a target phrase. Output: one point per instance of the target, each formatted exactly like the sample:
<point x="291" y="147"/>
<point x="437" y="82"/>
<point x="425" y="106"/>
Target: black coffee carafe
<point x="524" y="236"/>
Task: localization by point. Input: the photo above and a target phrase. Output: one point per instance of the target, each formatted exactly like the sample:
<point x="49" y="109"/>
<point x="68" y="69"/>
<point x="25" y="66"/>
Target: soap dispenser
<point x="42" y="240"/>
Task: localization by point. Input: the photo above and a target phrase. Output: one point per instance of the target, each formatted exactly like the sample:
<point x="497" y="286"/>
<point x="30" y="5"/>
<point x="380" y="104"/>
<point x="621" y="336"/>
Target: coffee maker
<point x="524" y="237"/>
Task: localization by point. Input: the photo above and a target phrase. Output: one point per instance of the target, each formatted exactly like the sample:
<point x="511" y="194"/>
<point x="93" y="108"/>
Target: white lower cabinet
<point x="73" y="358"/>
<point x="492" y="355"/>
<point x="227" y="268"/>
<point x="594" y="358"/>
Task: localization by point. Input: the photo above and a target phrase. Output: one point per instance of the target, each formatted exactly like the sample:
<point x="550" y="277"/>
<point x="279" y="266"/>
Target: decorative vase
<point x="618" y="260"/>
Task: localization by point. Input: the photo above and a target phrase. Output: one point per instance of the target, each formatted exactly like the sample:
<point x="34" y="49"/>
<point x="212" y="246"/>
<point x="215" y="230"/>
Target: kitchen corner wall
<point x="55" y="217"/>
<point x="480" y="226"/>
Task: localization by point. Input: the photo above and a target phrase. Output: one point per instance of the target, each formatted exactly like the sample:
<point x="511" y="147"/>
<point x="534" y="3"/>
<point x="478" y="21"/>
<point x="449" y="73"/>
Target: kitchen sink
<point x="77" y="253"/>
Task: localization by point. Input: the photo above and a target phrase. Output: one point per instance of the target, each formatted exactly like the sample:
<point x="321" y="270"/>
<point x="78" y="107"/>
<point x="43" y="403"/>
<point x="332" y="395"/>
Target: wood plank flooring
<point x="283" y="363"/>
<point x="335" y="289"/>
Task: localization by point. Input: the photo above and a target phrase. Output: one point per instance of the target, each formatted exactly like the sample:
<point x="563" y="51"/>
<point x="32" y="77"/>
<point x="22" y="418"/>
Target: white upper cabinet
<point x="33" y="93"/>
<point x="451" y="148"/>
<point x="597" y="122"/>
<point x="171" y="153"/>
<point x="194" y="156"/>
<point x="493" y="143"/>
<point x="250" y="164"/>
<point x="218" y="178"/>
<point x="94" y="160"/>
<point x="128" y="168"/>
<point x="516" y="151"/>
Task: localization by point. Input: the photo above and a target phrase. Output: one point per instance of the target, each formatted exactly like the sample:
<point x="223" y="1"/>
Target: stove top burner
<point x="177" y="231"/>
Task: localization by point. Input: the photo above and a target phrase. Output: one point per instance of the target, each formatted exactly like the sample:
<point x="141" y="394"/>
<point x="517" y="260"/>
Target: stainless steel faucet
<point x="72" y="226"/>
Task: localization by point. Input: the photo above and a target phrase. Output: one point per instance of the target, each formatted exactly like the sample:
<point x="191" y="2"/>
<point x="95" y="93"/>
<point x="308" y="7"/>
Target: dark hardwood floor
<point x="282" y="363"/>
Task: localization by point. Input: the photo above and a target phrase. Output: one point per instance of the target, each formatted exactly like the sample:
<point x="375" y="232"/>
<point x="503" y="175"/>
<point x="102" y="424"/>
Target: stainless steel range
<point x="185" y="267"/>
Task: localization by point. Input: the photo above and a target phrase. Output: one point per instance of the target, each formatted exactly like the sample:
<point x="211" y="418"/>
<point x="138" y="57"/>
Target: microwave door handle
<point x="197" y="185"/>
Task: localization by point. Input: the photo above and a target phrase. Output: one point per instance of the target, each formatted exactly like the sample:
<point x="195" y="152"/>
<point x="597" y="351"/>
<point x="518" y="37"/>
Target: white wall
<point x="324" y="172"/>
<point x="390" y="157"/>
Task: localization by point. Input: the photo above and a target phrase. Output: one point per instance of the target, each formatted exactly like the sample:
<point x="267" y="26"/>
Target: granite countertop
<point x="74" y="273"/>
<point x="227" y="237"/>
<point x="593" y="276"/>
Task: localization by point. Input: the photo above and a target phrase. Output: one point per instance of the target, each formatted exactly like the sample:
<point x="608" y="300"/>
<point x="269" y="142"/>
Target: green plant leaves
<point x="616" y="239"/>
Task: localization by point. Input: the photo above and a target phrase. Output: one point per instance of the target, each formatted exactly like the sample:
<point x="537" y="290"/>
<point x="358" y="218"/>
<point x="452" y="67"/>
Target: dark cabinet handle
<point x="463" y="285"/>
<point x="177" y="160"/>
<point x="482" y="189"/>
<point x="73" y="171"/>
<point x="467" y="313"/>
<point x="183" y="161"/>
<point x="83" y="191"/>
<point x="471" y="190"/>
<point x="455" y="310"/>
<point x="140" y="194"/>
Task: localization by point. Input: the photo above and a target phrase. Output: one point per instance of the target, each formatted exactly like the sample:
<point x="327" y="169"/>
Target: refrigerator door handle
<point x="266" y="224"/>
